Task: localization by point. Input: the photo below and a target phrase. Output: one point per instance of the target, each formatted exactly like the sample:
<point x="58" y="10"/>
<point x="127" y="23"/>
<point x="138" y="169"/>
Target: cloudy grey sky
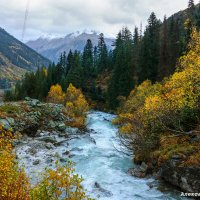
<point x="60" y="17"/>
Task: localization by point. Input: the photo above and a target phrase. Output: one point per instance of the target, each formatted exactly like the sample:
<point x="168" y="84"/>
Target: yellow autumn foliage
<point x="60" y="183"/>
<point x="138" y="96"/>
<point x="56" y="95"/>
<point x="76" y="106"/>
<point x="13" y="181"/>
<point x="74" y="101"/>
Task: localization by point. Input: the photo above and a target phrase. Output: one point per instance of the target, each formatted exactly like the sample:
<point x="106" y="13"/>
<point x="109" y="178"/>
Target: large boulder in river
<point x="186" y="178"/>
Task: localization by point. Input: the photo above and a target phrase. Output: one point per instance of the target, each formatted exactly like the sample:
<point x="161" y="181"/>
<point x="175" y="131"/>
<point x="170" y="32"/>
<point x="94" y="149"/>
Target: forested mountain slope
<point x="16" y="58"/>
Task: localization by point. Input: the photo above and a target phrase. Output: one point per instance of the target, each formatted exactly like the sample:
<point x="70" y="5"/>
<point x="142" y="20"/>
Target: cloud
<point x="65" y="16"/>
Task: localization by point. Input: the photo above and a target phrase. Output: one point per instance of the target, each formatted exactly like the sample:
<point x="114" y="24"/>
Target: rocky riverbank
<point x="174" y="171"/>
<point x="185" y="178"/>
<point x="31" y="116"/>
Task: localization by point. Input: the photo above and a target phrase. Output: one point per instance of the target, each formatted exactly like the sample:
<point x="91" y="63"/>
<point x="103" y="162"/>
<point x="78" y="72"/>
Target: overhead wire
<point x="25" y="19"/>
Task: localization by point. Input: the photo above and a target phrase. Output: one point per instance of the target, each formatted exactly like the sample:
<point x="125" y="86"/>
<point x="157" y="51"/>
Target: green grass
<point x="10" y="109"/>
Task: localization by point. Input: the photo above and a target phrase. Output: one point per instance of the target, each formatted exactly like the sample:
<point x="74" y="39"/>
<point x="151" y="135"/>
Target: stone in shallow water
<point x="76" y="149"/>
<point x="66" y="153"/>
<point x="32" y="151"/>
<point x="62" y="134"/>
<point x="48" y="139"/>
<point x="49" y="146"/>
<point x="49" y="160"/>
<point x="71" y="155"/>
<point x="36" y="162"/>
<point x="63" y="160"/>
<point x="105" y="192"/>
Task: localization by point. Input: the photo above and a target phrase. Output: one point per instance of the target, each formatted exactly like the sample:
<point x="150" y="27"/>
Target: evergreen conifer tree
<point x="150" y="47"/>
<point x="75" y="75"/>
<point x="102" y="53"/>
<point x="164" y="65"/>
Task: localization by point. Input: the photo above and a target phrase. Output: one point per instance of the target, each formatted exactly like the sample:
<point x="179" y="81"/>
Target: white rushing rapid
<point x="103" y="168"/>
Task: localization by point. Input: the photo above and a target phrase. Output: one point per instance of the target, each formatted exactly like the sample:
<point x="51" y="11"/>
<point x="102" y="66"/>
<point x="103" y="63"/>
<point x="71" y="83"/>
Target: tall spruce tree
<point x="164" y="65"/>
<point x="190" y="22"/>
<point x="175" y="43"/>
<point x="149" y="55"/>
<point x="191" y="4"/>
<point x="102" y="53"/>
<point x="136" y="49"/>
<point x="88" y="67"/>
<point x="64" y="63"/>
<point x="60" y="69"/>
<point x="87" y="60"/>
<point x="69" y="61"/>
<point x="95" y="55"/>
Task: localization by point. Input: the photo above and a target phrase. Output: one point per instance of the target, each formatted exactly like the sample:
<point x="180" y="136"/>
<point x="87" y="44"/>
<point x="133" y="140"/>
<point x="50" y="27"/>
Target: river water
<point x="103" y="168"/>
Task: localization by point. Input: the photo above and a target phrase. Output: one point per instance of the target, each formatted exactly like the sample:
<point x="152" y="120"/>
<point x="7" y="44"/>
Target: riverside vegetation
<point x="158" y="104"/>
<point x="55" y="183"/>
<point x="28" y="117"/>
<point x="160" y="121"/>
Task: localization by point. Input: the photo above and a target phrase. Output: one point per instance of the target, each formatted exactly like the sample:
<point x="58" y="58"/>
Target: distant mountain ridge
<point x="16" y="58"/>
<point x="53" y="47"/>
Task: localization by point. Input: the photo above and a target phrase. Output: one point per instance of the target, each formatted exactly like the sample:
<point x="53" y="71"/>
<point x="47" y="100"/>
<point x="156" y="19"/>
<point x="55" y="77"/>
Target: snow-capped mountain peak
<point x="52" y="45"/>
